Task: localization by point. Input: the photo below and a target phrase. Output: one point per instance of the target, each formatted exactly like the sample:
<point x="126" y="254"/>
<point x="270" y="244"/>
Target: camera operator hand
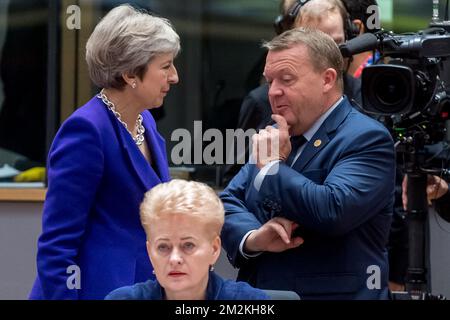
<point x="436" y="188"/>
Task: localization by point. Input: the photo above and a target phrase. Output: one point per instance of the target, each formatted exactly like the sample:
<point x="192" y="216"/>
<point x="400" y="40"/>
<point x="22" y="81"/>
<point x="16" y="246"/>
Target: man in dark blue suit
<point x="324" y="174"/>
<point x="329" y="16"/>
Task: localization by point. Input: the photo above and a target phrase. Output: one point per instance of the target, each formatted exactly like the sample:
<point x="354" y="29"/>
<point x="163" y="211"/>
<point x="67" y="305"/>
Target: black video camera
<point x="409" y="91"/>
<point x="411" y="85"/>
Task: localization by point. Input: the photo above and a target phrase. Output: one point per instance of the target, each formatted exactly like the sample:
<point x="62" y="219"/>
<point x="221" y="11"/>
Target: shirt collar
<point x="312" y="131"/>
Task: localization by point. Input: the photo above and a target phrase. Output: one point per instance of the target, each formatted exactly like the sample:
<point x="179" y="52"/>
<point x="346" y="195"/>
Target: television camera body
<point x="409" y="91"/>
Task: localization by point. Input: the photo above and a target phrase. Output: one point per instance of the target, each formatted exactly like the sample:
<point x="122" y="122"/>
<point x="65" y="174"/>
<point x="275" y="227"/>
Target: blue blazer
<point x="217" y="289"/>
<point x="97" y="178"/>
<point x="341" y="193"/>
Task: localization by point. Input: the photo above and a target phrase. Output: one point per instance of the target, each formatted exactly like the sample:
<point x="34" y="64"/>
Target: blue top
<point x="218" y="289"/>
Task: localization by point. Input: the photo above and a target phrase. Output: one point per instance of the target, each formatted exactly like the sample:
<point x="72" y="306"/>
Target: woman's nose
<point x="173" y="77"/>
<point x="176" y="257"/>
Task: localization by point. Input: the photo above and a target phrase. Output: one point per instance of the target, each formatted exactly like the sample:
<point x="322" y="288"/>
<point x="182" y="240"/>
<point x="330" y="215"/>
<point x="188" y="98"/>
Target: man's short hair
<point x="285" y="5"/>
<point x="316" y="9"/>
<point x="323" y="51"/>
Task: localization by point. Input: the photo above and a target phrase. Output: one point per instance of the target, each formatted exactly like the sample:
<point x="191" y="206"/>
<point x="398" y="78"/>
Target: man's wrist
<point x="261" y="165"/>
<point x="249" y="244"/>
<point x="270" y="169"/>
<point x="244" y="251"/>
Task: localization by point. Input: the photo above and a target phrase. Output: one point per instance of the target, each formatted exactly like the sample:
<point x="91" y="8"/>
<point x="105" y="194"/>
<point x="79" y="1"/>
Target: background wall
<point x="20" y="226"/>
<point x="439" y="254"/>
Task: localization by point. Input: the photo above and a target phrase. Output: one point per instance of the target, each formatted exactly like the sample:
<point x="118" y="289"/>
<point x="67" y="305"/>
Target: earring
<point x="133" y="85"/>
<point x="211" y="268"/>
<point x="153" y="271"/>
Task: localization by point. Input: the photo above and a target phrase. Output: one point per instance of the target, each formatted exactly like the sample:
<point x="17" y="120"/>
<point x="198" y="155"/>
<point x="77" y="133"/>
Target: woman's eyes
<point x="188" y="246"/>
<point x="185" y="247"/>
<point x="164" y="248"/>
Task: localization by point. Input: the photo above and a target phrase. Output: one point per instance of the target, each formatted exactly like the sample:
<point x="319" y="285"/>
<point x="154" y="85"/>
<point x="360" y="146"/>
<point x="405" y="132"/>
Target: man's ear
<point x="360" y="25"/>
<point x="329" y="79"/>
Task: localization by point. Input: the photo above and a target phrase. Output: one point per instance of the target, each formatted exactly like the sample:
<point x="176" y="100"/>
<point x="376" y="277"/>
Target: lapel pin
<point x="317" y="143"/>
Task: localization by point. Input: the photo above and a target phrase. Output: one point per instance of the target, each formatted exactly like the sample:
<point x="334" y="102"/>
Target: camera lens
<point x="390" y="91"/>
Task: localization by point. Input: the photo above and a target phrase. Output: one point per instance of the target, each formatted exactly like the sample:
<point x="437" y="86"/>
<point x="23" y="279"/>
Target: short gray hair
<point x="124" y="42"/>
<point x="323" y="51"/>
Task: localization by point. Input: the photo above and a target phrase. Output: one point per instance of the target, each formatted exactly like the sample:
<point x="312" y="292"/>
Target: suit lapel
<point x="136" y="160"/>
<point x="157" y="149"/>
<point x="311" y="148"/>
<point x="323" y="135"/>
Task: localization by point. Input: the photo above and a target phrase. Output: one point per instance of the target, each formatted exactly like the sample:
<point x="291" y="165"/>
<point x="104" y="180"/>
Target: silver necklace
<point x="139" y="138"/>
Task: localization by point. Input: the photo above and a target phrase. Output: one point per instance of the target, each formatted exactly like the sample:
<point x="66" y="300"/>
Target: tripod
<point x="417" y="287"/>
<point x="417" y="208"/>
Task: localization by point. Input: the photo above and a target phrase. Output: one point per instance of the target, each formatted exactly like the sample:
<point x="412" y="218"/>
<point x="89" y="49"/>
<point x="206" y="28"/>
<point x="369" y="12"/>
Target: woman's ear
<point x="129" y="79"/>
<point x="216" y="246"/>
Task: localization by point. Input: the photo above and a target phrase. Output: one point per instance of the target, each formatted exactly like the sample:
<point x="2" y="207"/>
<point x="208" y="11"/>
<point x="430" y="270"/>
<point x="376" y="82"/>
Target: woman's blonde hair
<point x="124" y="42"/>
<point x="185" y="198"/>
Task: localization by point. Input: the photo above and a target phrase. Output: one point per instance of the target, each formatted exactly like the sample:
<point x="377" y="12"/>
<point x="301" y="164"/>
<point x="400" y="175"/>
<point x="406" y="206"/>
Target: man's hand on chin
<point x="272" y="144"/>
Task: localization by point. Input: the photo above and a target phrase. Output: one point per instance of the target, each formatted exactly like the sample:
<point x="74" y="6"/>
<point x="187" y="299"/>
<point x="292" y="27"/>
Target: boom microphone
<point x="362" y="43"/>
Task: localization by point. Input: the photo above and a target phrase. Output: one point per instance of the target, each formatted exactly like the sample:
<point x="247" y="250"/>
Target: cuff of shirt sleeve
<point x="263" y="172"/>
<point x="241" y="247"/>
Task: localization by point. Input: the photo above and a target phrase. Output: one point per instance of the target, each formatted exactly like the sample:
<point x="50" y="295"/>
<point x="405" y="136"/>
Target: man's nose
<point x="275" y="90"/>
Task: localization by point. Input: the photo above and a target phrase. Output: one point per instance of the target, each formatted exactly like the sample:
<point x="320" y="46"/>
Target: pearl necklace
<point x="139" y="139"/>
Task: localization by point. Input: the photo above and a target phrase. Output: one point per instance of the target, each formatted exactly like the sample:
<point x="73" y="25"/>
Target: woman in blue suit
<point x="105" y="156"/>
